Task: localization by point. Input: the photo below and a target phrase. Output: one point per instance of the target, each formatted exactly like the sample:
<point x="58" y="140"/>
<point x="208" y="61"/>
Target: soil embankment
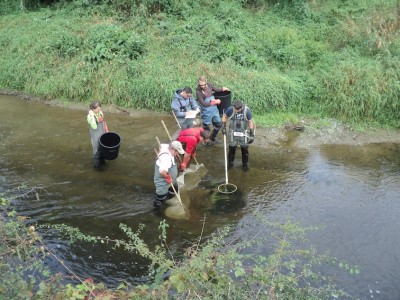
<point x="307" y="134"/>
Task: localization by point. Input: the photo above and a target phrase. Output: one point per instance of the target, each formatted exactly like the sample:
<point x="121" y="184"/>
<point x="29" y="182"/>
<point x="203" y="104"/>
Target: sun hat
<point x="177" y="146"/>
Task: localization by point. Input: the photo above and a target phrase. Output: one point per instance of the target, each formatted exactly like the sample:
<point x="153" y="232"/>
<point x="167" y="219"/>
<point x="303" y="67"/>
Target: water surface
<point x="352" y="192"/>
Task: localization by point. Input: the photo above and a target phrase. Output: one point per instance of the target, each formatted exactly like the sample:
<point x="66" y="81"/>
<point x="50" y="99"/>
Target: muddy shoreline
<point x="307" y="134"/>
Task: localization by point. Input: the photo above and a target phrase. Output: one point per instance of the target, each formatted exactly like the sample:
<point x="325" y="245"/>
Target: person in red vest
<point x="190" y="138"/>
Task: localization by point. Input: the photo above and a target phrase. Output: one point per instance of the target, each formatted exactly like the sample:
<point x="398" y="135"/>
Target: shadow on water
<point x="352" y="191"/>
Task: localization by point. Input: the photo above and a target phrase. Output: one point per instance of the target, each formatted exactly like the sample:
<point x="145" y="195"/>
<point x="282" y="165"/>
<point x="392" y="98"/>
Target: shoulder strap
<point x="245" y="108"/>
<point x="162" y="153"/>
<point x="233" y="112"/>
<point x="245" y="113"/>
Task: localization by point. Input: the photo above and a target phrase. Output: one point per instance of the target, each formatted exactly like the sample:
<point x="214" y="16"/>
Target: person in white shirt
<point x="166" y="172"/>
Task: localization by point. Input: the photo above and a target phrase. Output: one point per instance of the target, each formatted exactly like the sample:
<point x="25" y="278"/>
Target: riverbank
<point x="308" y="133"/>
<point x="346" y="191"/>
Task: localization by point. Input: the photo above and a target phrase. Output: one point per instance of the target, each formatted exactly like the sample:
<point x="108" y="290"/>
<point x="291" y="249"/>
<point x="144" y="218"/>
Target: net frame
<point x="223" y="188"/>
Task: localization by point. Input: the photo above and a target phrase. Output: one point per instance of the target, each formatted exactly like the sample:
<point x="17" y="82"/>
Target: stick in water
<point x="169" y="136"/>
<point x="176" y="119"/>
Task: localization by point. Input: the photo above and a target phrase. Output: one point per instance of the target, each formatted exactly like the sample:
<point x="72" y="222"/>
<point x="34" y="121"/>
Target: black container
<point x="109" y="145"/>
<point x="225" y="98"/>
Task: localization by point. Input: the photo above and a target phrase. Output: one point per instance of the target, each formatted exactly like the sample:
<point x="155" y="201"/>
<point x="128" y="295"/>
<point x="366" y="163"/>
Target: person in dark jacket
<point x="185" y="107"/>
<point x="241" y="131"/>
<point x="208" y="106"/>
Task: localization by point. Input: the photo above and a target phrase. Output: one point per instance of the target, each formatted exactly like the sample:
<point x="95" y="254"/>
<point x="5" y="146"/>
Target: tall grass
<point x="336" y="59"/>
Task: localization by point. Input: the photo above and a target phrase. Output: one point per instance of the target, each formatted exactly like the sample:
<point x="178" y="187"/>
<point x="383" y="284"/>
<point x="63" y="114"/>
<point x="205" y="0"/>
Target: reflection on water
<point x="352" y="191"/>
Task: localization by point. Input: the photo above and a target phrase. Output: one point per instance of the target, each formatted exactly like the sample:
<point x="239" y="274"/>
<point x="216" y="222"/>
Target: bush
<point x="287" y="57"/>
<point x="106" y="42"/>
<point x="264" y="261"/>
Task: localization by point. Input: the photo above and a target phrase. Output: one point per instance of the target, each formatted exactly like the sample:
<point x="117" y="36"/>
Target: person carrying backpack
<point x="241" y="131"/>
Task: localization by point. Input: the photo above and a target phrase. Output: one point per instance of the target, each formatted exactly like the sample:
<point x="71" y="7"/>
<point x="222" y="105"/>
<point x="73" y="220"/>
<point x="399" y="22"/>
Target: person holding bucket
<point x="190" y="138"/>
<point x="185" y="107"/>
<point x="98" y="126"/>
<point x="166" y="172"/>
<point x="208" y="105"/>
<point x="241" y="131"/>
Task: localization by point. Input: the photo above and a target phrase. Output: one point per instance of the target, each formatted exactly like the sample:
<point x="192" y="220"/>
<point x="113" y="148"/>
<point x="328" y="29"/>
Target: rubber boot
<point x="171" y="192"/>
<point x="245" y="157"/>
<point x="214" y="136"/>
<point x="206" y="127"/>
<point x="160" y="199"/>
<point x="102" y="159"/>
<point x="96" y="159"/>
<point x="231" y="156"/>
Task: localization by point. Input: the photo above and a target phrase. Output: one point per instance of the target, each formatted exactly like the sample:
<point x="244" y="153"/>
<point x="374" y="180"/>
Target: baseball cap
<point x="177" y="146"/>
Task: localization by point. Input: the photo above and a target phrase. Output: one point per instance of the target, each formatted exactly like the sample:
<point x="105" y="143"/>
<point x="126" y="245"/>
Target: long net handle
<point x="166" y="130"/>
<point x="226" y="161"/>
<point x="176" y="119"/>
<point x="169" y="136"/>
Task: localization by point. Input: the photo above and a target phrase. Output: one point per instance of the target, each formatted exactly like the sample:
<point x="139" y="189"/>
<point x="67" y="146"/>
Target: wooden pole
<point x="169" y="136"/>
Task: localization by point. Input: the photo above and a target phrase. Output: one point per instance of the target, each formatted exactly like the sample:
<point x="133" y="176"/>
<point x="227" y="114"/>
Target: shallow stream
<point x="352" y="192"/>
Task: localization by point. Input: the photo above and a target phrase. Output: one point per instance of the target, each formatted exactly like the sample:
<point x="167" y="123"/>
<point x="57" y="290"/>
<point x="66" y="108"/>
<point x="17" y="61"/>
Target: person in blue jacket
<point x="185" y="107"/>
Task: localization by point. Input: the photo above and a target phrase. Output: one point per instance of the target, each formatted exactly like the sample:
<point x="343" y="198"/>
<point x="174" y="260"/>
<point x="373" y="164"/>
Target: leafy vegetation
<point x="335" y="59"/>
<point x="264" y="261"/>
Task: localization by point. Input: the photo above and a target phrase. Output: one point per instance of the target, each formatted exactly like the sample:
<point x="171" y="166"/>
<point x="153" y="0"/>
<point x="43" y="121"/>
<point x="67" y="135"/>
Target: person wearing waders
<point x="183" y="104"/>
<point x="98" y="126"/>
<point x="241" y="131"/>
<point x="208" y="105"/>
<point x="166" y="172"/>
<point x="190" y="138"/>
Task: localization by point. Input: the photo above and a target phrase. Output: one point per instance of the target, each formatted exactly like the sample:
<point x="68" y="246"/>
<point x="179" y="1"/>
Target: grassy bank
<point x="335" y="58"/>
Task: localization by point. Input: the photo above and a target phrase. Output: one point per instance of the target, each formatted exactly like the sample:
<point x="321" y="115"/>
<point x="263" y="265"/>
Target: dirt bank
<point x="312" y="134"/>
<point x="306" y="134"/>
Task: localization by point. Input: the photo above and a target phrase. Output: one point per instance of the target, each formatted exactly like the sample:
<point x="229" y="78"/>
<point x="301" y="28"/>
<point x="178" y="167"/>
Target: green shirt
<point x="93" y="119"/>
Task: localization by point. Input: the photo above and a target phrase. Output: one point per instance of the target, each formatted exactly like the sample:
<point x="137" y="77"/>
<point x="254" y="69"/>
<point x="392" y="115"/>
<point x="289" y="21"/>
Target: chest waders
<point x="238" y="127"/>
<point x="164" y="191"/>
<point x="185" y="123"/>
<point x="210" y="114"/>
<point x="95" y="135"/>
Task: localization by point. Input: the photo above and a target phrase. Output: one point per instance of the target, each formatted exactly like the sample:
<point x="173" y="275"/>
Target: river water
<point x="352" y="192"/>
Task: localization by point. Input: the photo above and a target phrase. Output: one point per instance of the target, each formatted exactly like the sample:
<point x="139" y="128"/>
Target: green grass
<point x="336" y="59"/>
<point x="276" y="119"/>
